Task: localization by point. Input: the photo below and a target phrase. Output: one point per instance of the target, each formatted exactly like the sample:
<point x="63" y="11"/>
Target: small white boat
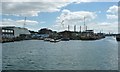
<point x="47" y="39"/>
<point x="54" y="40"/>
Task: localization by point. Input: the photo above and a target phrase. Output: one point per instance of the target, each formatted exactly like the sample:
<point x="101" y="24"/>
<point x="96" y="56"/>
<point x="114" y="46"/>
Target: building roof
<point x="12" y="27"/>
<point x="7" y="26"/>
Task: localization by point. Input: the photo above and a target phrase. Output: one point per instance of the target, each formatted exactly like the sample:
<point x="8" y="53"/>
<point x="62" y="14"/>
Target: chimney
<point x="86" y="27"/>
<point x="68" y="28"/>
<point x="80" y="28"/>
<point x="74" y="28"/>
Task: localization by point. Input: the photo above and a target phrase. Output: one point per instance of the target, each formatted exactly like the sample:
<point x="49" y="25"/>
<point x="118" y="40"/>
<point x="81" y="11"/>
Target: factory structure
<point x="9" y="33"/>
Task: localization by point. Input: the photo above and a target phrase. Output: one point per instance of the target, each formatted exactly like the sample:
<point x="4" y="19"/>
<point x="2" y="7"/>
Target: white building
<point x="17" y="31"/>
<point x="7" y="33"/>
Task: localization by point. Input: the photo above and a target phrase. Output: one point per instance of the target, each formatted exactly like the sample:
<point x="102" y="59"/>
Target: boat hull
<point x="65" y="39"/>
<point x="118" y="39"/>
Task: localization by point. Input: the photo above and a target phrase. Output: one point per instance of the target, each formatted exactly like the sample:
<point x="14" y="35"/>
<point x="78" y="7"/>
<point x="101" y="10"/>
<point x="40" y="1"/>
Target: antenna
<point x="24" y="23"/>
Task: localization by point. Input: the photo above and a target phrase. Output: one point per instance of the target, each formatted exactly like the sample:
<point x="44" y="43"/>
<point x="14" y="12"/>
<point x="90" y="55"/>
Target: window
<point x="11" y="31"/>
<point x="3" y="30"/>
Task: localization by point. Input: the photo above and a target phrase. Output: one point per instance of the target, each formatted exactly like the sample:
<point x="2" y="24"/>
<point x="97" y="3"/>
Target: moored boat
<point x="65" y="39"/>
<point x="118" y="37"/>
<point x="90" y="35"/>
<point x="47" y="39"/>
<point x="54" y="40"/>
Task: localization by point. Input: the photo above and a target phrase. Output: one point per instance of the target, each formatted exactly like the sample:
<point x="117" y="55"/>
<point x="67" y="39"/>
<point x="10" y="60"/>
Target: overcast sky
<point x="57" y="15"/>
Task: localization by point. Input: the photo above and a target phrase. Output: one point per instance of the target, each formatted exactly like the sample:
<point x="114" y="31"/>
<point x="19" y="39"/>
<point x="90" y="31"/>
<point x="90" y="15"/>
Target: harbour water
<point x="64" y="55"/>
<point x="0" y="56"/>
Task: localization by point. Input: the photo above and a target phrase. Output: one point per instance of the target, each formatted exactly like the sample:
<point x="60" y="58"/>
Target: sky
<point x="57" y="15"/>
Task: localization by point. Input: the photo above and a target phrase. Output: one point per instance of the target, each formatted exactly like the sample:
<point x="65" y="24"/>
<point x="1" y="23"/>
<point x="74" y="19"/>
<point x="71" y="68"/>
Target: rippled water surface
<point x="64" y="55"/>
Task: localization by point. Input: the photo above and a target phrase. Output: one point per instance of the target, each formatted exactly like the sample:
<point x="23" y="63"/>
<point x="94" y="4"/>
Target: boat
<point x="65" y="39"/>
<point x="87" y="38"/>
<point x="118" y="37"/>
<point x="47" y="39"/>
<point x="90" y="35"/>
<point x="54" y="40"/>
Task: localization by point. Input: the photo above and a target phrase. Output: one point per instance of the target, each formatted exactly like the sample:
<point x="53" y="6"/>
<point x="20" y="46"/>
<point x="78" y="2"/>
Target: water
<point x="64" y="55"/>
<point x="0" y="57"/>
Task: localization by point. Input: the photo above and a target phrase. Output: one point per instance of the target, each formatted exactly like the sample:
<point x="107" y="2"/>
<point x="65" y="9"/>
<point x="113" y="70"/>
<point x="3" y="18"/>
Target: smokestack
<point x="86" y="27"/>
<point x="68" y="28"/>
<point x="80" y="28"/>
<point x="24" y="23"/>
<point x="84" y="24"/>
<point x="74" y="28"/>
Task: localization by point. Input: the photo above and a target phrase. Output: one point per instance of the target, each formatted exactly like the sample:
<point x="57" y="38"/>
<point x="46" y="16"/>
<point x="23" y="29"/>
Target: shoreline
<point x="48" y="41"/>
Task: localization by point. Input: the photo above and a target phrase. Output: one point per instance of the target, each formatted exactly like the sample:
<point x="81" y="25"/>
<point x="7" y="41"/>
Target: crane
<point x="62" y="22"/>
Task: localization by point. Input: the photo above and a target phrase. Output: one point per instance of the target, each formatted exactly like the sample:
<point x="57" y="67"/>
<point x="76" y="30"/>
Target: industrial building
<point x="7" y="33"/>
<point x="11" y="31"/>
